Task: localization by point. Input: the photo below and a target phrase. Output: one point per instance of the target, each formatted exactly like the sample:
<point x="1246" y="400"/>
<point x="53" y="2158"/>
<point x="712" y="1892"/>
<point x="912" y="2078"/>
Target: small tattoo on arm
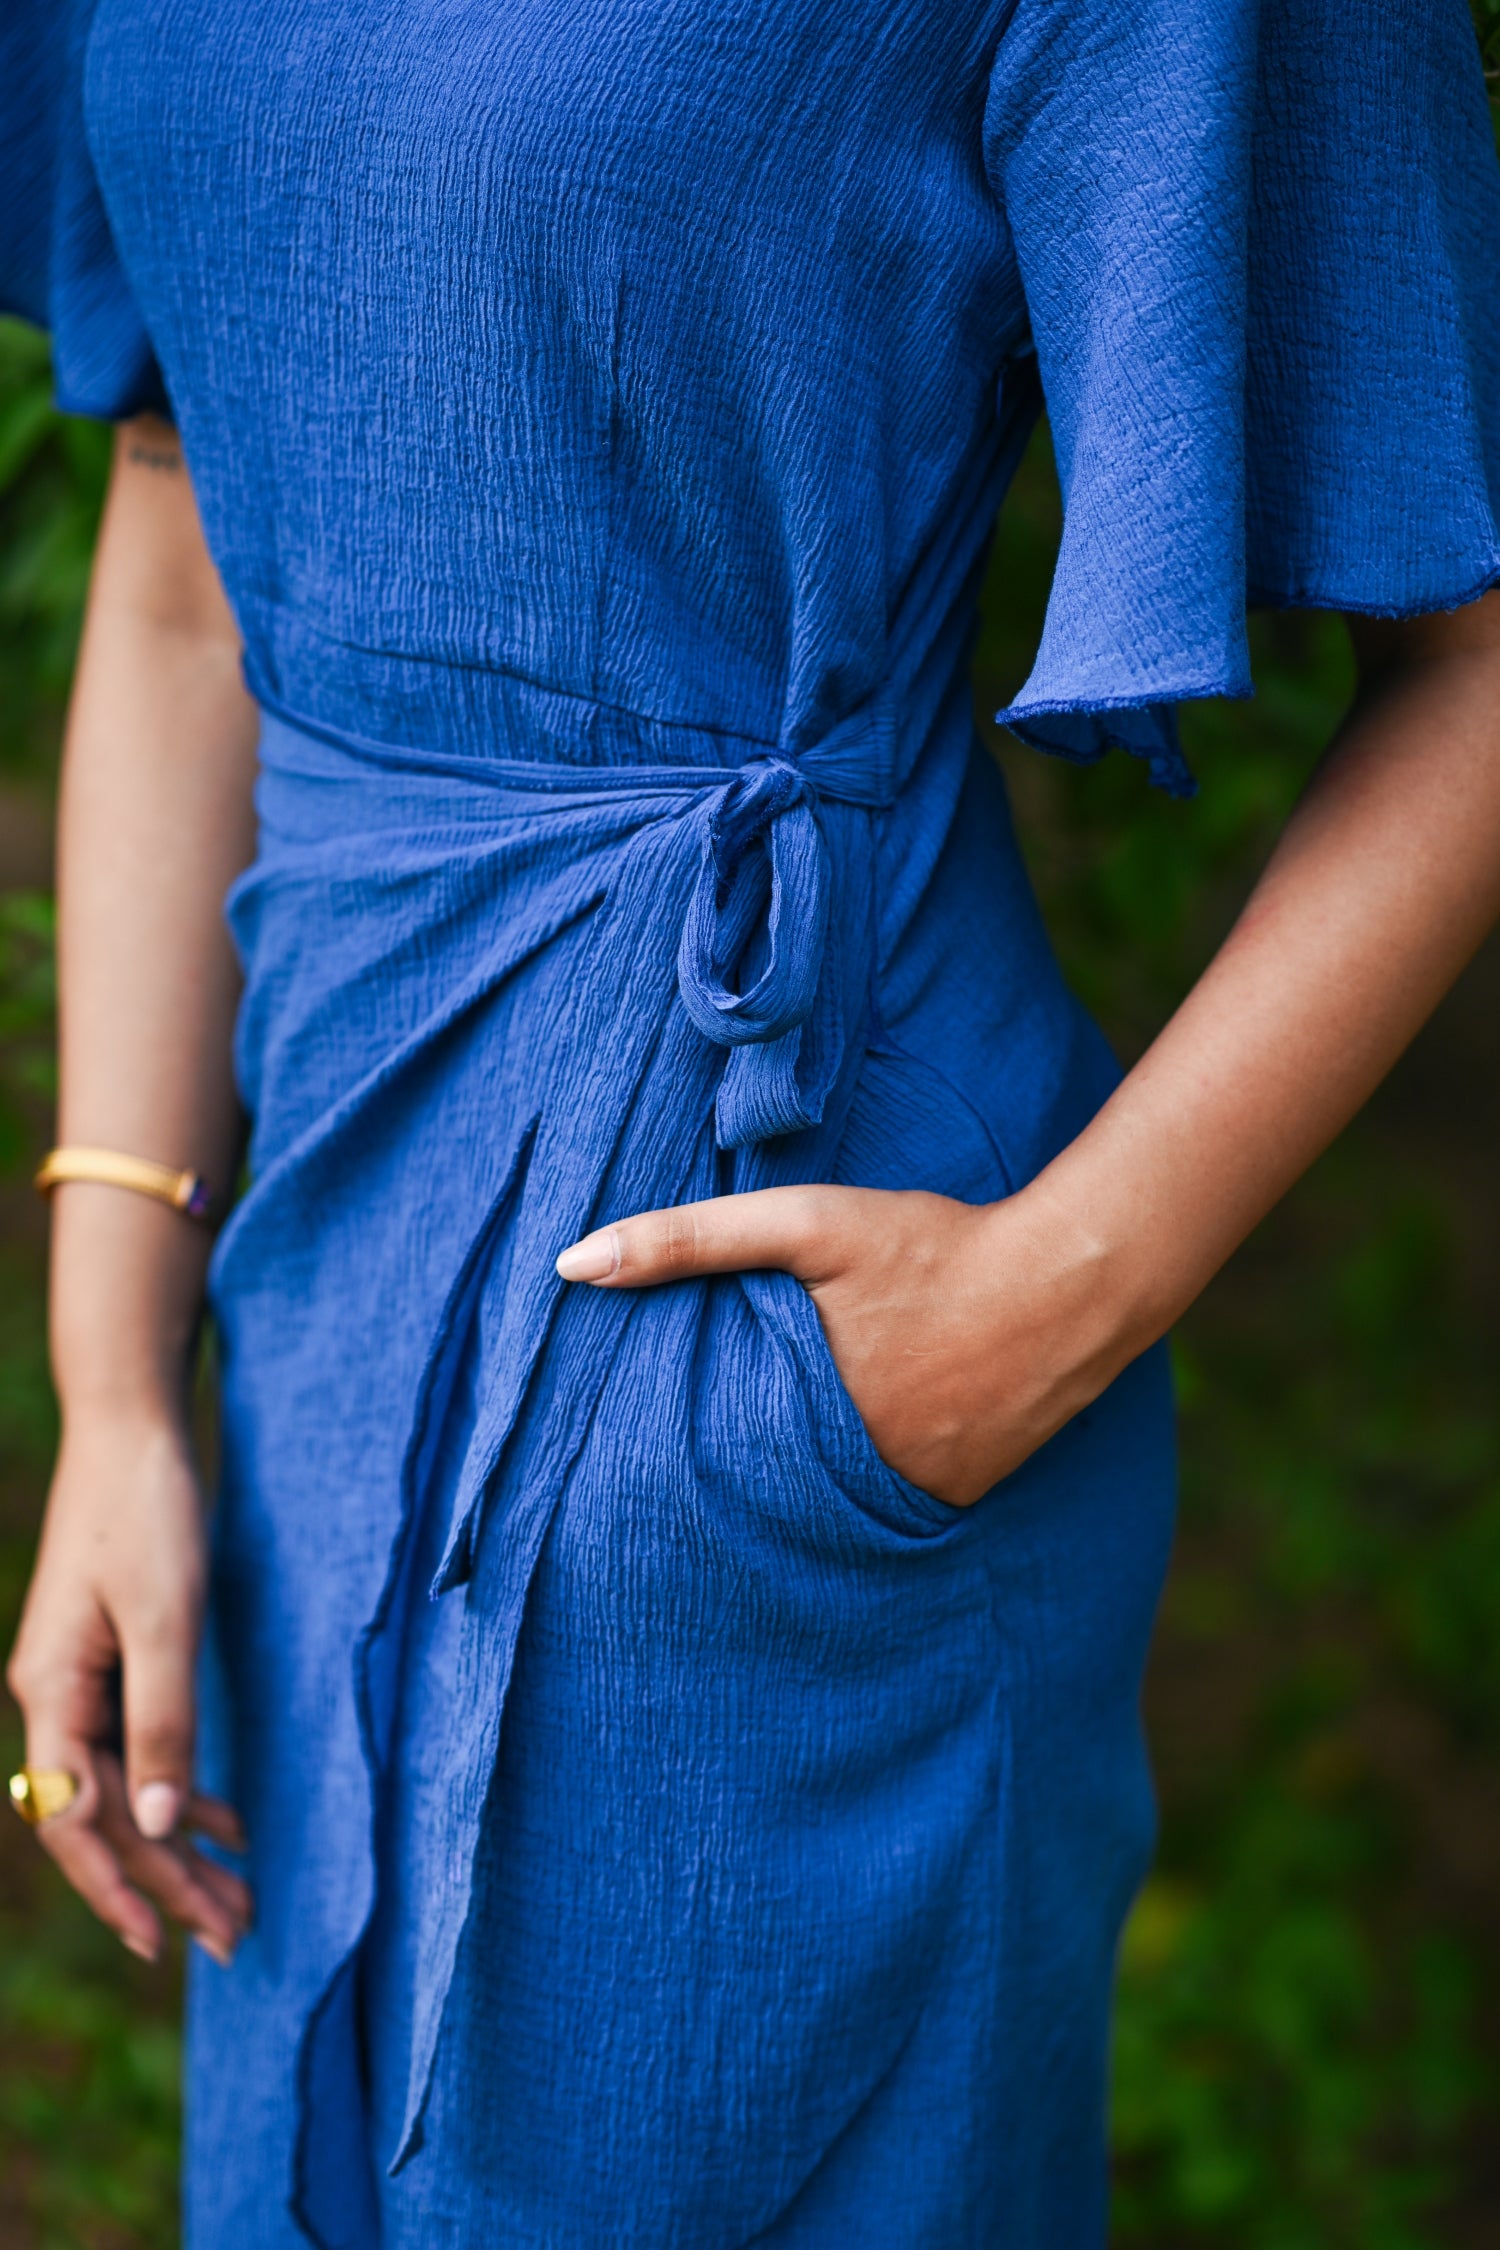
<point x="168" y="458"/>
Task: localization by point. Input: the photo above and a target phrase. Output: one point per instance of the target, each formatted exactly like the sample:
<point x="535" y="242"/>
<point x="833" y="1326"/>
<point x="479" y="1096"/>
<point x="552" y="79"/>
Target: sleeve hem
<point x="1083" y="732"/>
<point x="147" y="398"/>
<point x="1424" y="605"/>
<point x="1084" y="728"/>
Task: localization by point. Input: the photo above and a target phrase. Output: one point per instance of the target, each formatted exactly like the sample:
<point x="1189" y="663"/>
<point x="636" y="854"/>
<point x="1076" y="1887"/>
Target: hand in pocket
<point x="966" y="1334"/>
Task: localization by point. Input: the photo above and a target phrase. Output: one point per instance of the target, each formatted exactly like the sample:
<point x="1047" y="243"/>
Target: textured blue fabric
<point x="58" y="264"/>
<point x="1258" y="250"/>
<point x="735" y="1798"/>
<point x="1252" y="248"/>
<point x="670" y="1827"/>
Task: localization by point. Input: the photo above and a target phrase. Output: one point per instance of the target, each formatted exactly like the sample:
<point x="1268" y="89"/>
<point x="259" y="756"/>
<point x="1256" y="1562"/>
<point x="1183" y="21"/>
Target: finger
<point x="86" y="1857"/>
<point x="209" y="1902"/>
<point x="66" y="1705"/>
<point x="727" y="1234"/>
<point x="172" y="1874"/>
<point x="92" y="1867"/>
<point x="157" y="1668"/>
<point x="232" y="1891"/>
<point x="211" y="1817"/>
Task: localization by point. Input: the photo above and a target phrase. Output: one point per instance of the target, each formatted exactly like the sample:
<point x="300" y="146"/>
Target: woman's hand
<point x="105" y="1655"/>
<point x="156" y="820"/>
<point x="965" y="1335"/>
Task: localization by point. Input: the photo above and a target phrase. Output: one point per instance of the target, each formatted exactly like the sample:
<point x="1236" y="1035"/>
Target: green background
<point x="1308" y="2045"/>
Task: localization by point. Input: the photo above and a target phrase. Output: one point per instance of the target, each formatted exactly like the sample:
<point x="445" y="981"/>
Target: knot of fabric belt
<point x="753" y="942"/>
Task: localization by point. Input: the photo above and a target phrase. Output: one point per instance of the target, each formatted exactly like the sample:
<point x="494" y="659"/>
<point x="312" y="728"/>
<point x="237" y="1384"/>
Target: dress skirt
<point x="670" y="1827"/>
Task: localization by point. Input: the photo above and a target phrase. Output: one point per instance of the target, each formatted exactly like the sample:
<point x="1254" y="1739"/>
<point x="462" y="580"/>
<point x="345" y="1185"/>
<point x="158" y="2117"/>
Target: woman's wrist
<point x="141" y="1378"/>
<point x="139" y="1372"/>
<point x="1117" y="1276"/>
<point x="125" y="1399"/>
<point x="127" y="1293"/>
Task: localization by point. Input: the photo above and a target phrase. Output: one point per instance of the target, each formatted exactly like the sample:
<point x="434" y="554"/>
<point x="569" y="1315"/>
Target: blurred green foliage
<point x="1305" y="2044"/>
<point x="1309" y="1983"/>
<point x="88" y="2041"/>
<point x="52" y="473"/>
<point x="1487" y="23"/>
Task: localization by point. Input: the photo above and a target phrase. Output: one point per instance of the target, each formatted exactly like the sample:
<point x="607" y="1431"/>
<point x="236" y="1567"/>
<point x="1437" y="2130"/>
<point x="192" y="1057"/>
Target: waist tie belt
<point x="380" y="864"/>
<point x="751" y="958"/>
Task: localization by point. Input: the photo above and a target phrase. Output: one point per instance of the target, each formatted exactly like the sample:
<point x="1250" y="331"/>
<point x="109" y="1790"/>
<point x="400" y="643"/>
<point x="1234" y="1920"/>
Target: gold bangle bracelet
<point x="188" y="1192"/>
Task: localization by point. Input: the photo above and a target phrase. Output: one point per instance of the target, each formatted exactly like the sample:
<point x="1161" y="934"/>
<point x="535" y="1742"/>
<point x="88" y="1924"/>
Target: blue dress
<point x="671" y="1829"/>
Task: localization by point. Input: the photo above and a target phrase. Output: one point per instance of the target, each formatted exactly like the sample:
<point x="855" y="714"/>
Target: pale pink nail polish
<point x="156" y="1808"/>
<point x="593" y="1259"/>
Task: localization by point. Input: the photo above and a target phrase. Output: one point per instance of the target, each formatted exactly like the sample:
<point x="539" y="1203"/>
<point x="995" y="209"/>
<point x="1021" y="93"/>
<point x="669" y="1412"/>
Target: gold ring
<point x="41" y="1792"/>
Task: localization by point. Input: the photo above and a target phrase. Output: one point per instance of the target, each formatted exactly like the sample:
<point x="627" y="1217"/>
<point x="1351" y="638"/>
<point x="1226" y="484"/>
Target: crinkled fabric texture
<point x="757" y="277"/>
<point x="670" y="1828"/>
<point x="750" y="1830"/>
<point x="58" y="265"/>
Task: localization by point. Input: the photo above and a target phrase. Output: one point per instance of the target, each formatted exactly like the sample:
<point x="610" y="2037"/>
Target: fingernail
<point x="156" y="1809"/>
<point x="214" y="1948"/>
<point x="141" y="1947"/>
<point x="592" y="1259"/>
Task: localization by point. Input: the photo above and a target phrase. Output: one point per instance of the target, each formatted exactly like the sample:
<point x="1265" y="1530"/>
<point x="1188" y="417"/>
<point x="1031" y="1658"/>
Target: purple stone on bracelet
<point x="200" y="1199"/>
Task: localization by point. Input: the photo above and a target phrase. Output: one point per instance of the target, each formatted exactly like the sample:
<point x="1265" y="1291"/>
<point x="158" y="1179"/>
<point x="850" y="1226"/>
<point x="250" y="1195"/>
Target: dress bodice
<point x="626" y="352"/>
<point x="670" y="359"/>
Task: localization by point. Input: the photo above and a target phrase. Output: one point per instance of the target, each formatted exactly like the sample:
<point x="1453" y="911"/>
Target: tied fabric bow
<point x="751" y="960"/>
<point x="775" y="951"/>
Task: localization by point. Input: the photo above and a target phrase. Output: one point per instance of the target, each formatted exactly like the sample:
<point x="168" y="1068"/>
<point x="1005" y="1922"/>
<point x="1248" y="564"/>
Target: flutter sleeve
<point x="58" y="262"/>
<point x="1260" y="246"/>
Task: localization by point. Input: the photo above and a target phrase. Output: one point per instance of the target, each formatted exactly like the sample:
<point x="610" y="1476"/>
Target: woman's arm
<point x="967" y="1336"/>
<point x="155" y="822"/>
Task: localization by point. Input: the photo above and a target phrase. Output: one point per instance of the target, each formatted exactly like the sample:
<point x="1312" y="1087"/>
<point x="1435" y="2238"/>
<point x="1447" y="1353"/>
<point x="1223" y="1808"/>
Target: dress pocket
<point x="788" y="1315"/>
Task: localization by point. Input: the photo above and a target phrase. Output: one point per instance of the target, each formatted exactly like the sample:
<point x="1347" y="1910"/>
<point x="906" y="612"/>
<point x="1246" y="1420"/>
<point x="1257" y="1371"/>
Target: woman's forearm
<point x="155" y="821"/>
<point x="969" y="1335"/>
<point x="1383" y="884"/>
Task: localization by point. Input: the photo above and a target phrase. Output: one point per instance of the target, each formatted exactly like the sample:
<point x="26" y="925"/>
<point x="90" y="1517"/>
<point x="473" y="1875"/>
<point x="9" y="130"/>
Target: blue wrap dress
<point x="670" y="1827"/>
